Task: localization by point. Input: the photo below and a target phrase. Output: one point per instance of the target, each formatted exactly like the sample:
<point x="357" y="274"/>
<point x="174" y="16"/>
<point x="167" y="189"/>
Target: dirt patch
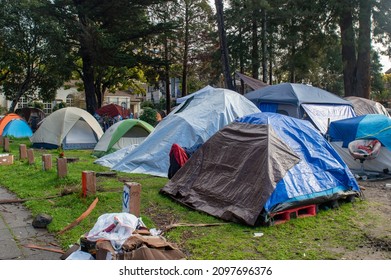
<point x="378" y="232"/>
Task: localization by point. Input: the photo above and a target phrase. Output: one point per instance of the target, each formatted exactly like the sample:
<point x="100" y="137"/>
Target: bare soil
<point x="378" y="231"/>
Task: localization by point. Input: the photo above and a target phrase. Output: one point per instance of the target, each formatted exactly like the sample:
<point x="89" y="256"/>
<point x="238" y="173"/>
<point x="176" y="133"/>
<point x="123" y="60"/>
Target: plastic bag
<point x="115" y="227"/>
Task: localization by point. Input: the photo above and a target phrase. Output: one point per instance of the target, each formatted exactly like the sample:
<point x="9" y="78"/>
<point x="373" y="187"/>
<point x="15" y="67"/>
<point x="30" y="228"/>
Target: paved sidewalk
<point x="16" y="230"/>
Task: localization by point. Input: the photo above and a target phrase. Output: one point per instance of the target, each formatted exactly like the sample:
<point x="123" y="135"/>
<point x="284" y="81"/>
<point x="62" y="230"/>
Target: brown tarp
<point x="363" y="106"/>
<point x="234" y="173"/>
<point x="251" y="82"/>
<point x="139" y="247"/>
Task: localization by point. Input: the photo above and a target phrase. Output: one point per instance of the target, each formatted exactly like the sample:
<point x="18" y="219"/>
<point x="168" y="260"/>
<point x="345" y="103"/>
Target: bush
<point x="149" y="116"/>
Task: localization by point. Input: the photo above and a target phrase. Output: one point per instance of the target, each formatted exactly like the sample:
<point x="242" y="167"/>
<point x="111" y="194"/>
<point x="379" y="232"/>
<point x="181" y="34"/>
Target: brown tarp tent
<point x="251" y="82"/>
<point x="234" y="173"/>
<point x="363" y="106"/>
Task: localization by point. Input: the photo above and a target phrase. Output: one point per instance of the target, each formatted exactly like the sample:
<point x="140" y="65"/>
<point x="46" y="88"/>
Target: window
<point x="69" y="100"/>
<point x="47" y="107"/>
<point x="23" y="102"/>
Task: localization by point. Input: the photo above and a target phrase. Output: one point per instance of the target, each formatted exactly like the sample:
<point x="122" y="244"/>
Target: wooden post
<point x="6" y="146"/>
<point x="22" y="151"/>
<point x="88" y="183"/>
<point x="62" y="168"/>
<point x="30" y="156"/>
<point x="1" y="141"/>
<point x="131" y="198"/>
<point x="46" y="162"/>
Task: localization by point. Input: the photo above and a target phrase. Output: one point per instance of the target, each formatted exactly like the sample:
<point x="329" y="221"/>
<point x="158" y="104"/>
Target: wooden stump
<point x="46" y="162"/>
<point x="30" y="156"/>
<point x="62" y="168"/>
<point x="22" y="151"/>
<point x="131" y="198"/>
<point x="88" y="182"/>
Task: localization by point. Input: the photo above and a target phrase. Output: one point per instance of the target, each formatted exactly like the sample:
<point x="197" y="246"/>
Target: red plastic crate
<point x="298" y="212"/>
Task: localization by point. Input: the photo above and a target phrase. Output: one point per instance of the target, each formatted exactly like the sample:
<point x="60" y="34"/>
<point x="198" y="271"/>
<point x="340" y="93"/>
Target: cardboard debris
<point x="139" y="247"/>
<point x="6" y="159"/>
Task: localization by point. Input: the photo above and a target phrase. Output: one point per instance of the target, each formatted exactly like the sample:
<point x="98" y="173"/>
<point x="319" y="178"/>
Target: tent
<point x="17" y="129"/>
<point x="113" y="110"/>
<point x="121" y="134"/>
<point x="32" y="116"/>
<point x="190" y="123"/>
<point x="303" y="102"/>
<point x="258" y="165"/>
<point x="363" y="106"/>
<point x="69" y="128"/>
<point x="6" y="119"/>
<point x="371" y="126"/>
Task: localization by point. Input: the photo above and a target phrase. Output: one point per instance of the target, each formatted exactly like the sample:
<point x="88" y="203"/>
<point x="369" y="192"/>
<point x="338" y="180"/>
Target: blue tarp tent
<point x="304" y="102"/>
<point x="190" y="123"/>
<point x="261" y="164"/>
<point x="17" y="128"/>
<point x="372" y="126"/>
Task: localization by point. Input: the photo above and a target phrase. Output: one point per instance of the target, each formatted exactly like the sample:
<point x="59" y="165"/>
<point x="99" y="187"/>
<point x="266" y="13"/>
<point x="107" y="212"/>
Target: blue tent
<point x="302" y="101"/>
<point x="262" y="164"/>
<point x="372" y="126"/>
<point x="17" y="128"/>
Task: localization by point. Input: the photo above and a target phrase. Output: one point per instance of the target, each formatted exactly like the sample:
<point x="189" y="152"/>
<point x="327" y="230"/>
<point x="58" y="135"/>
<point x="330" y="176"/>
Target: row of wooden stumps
<point x="131" y="193"/>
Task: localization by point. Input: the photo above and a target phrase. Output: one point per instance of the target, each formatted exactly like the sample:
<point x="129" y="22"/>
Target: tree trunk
<point x="255" y="51"/>
<point x="167" y="76"/>
<point x="185" y="51"/>
<point x="364" y="50"/>
<point x="223" y="45"/>
<point x="348" y="47"/>
<point x="264" y="48"/>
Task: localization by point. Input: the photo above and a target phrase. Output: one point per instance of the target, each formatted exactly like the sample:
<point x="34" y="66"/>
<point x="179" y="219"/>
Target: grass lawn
<point x="324" y="236"/>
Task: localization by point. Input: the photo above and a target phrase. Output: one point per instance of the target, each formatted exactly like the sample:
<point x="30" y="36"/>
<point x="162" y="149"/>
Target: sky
<point x="386" y="62"/>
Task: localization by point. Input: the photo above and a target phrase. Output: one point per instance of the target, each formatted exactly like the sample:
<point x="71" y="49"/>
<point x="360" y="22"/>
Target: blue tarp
<point x="17" y="128"/>
<point x="372" y="126"/>
<point x="320" y="173"/>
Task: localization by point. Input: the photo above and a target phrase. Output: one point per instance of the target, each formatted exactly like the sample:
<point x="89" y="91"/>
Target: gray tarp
<point x="234" y="173"/>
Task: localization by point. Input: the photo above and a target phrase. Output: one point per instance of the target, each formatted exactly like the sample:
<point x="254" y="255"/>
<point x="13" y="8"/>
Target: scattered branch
<point x="81" y="218"/>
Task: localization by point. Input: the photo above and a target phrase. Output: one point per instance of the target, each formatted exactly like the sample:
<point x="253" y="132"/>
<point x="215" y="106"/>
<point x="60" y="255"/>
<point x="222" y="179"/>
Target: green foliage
<point x="149" y="116"/>
<point x="59" y="105"/>
<point x="147" y="103"/>
<point x="36" y="61"/>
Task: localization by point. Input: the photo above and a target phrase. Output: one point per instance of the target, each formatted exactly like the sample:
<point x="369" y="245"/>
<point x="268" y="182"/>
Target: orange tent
<point x="7" y="118"/>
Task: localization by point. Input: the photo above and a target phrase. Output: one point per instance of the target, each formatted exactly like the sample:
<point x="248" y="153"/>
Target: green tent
<point x="122" y="134"/>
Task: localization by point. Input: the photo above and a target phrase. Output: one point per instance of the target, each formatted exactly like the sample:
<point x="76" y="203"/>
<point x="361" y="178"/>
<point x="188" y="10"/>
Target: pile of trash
<point x="122" y="236"/>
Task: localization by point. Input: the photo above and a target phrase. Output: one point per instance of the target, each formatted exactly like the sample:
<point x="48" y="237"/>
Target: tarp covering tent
<point x="17" y="129"/>
<point x="363" y="106"/>
<point x="299" y="100"/>
<point x="69" y="128"/>
<point x="32" y="116"/>
<point x="113" y="110"/>
<point x="6" y="119"/>
<point x="122" y="134"/>
<point x="371" y="126"/>
<point x="192" y="122"/>
<point x="251" y="82"/>
<point x="260" y="164"/>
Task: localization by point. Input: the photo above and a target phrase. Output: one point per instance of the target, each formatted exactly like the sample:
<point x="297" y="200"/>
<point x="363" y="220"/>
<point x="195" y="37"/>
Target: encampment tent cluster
<point x="275" y="148"/>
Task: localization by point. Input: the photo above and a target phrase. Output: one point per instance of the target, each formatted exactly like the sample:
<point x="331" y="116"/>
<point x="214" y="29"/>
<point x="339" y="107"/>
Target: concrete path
<point x="16" y="230"/>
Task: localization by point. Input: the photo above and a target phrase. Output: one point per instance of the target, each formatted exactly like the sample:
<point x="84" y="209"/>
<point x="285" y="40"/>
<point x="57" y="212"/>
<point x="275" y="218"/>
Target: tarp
<point x="299" y="100"/>
<point x="69" y="128"/>
<point x="122" y="134"/>
<point x="32" y="116"/>
<point x="363" y="106"/>
<point x="6" y="119"/>
<point x="18" y="129"/>
<point x="371" y="126"/>
<point x="113" y="110"/>
<point x="263" y="162"/>
<point x="192" y="122"/>
<point x="251" y="82"/>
